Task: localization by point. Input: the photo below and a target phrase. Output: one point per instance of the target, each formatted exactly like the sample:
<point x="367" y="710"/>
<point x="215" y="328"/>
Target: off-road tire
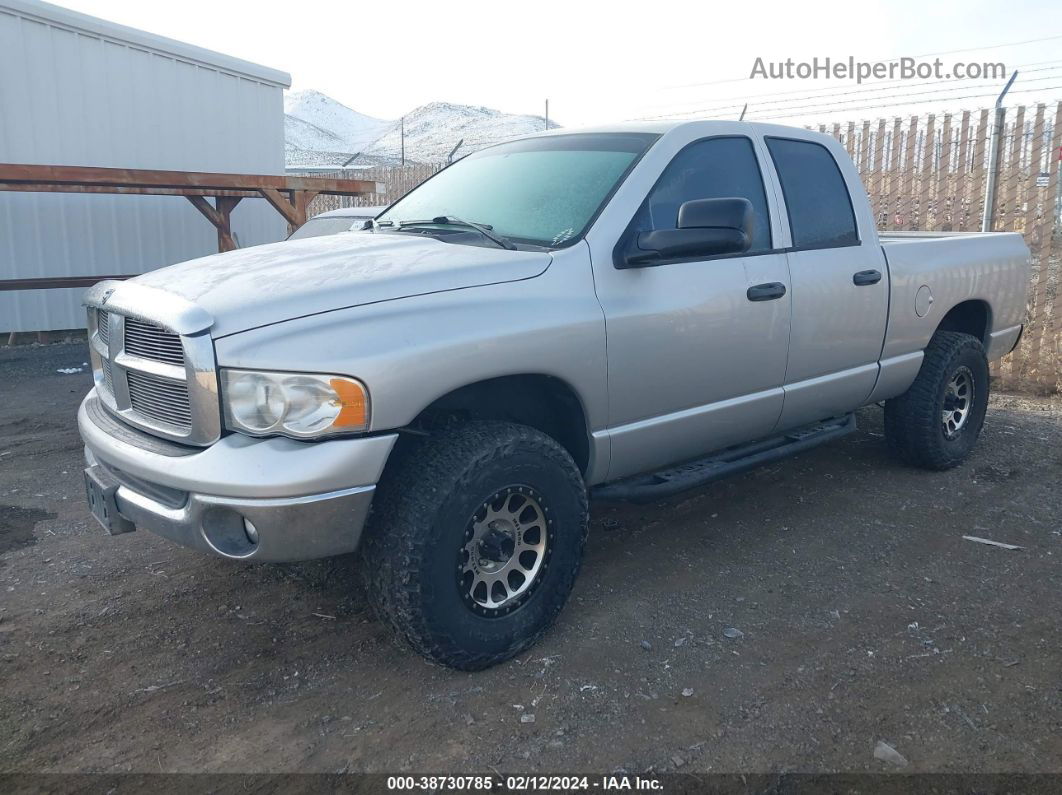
<point x="420" y="515"/>
<point x="913" y="421"/>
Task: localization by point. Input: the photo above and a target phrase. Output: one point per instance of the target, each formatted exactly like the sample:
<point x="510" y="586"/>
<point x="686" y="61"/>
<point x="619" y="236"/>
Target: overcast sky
<point x="601" y="62"/>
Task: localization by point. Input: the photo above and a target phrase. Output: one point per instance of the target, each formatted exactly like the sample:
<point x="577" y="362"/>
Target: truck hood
<point x="266" y="284"/>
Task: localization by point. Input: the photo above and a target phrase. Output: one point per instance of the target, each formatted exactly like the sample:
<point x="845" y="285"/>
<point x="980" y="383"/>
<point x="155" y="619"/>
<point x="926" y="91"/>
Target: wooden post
<point x="1034" y="197"/>
<point x="943" y="176"/>
<point x="301" y="199"/>
<point x="1034" y="227"/>
<point x="877" y="196"/>
<point x="1013" y="170"/>
<point x="907" y="202"/>
<point x="892" y="207"/>
<point x="220" y="216"/>
<point x="864" y="153"/>
<point x="1051" y="372"/>
<point x="292" y="208"/>
<point x="977" y="179"/>
<point x="1042" y="346"/>
<point x="959" y="214"/>
<point x="925" y="178"/>
<point x="225" y="206"/>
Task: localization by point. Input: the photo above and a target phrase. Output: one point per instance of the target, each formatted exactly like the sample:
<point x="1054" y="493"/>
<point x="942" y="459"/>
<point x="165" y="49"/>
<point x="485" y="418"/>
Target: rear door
<point x="839" y="284"/>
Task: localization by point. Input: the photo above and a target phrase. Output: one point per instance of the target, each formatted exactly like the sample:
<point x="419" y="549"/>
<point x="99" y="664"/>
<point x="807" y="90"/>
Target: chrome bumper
<point x="241" y="498"/>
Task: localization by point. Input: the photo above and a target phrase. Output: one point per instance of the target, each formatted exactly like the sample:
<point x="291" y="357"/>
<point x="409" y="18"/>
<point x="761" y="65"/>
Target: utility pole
<point x="994" y="154"/>
<point x="547" y="114"/>
<point x="402" y="132"/>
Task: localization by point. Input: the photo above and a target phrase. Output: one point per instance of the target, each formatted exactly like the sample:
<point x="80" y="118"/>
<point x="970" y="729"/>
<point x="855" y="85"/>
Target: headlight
<point x="301" y="405"/>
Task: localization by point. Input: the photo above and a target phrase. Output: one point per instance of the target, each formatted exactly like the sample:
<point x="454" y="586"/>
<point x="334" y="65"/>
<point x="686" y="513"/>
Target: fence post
<point x="993" y="158"/>
<point x="960" y="216"/>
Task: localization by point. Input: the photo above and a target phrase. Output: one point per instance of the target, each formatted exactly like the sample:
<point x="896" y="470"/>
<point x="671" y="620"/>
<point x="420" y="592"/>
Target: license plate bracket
<point x="100" y="490"/>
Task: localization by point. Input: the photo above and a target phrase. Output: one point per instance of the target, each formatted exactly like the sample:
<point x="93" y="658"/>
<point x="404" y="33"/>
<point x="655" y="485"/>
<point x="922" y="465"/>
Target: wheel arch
<point x="973" y="316"/>
<point x="544" y="402"/>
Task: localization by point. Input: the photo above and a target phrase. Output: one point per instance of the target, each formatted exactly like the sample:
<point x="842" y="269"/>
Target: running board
<point x="731" y="461"/>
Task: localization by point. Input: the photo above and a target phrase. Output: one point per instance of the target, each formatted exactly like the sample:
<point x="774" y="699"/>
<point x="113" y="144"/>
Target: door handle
<point x="766" y="292"/>
<point x="863" y="278"/>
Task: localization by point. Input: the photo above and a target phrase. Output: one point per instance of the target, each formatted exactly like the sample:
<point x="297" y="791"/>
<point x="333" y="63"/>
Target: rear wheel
<point x="475" y="542"/>
<point x="935" y="424"/>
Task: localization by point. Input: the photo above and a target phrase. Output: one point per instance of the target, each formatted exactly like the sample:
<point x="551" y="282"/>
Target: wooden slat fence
<point x="930" y="174"/>
<point x="396" y="180"/>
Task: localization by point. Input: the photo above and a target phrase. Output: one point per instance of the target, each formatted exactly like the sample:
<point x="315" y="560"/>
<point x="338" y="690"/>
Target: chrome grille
<point x="152" y="342"/>
<point x="159" y="398"/>
<point x="108" y="376"/>
<point x="157" y="376"/>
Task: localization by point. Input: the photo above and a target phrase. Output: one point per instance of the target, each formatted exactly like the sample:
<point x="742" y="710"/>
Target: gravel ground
<point x="790" y="619"/>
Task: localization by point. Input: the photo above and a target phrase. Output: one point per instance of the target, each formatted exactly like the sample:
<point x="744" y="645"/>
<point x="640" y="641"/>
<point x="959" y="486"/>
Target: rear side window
<point x="820" y="210"/>
<point x="715" y="168"/>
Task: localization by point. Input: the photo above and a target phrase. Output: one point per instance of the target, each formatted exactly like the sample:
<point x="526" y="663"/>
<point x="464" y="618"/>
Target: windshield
<point x="543" y="191"/>
<point x="316" y="227"/>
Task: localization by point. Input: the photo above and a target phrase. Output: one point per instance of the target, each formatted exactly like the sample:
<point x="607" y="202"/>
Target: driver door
<point x="696" y="360"/>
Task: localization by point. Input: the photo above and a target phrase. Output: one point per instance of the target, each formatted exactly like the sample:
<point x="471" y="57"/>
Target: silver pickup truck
<point x="620" y="313"/>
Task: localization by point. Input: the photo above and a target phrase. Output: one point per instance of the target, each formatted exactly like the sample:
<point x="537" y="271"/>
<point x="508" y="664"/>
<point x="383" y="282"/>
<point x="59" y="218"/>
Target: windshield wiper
<point x="453" y="220"/>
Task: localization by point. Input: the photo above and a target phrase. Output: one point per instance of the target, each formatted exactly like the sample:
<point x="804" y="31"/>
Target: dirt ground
<point x="862" y="616"/>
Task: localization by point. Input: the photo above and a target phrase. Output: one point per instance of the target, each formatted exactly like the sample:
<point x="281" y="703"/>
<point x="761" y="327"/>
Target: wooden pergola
<point x="289" y="196"/>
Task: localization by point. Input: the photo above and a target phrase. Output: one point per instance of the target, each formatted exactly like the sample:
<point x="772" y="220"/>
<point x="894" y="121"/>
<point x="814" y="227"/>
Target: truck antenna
<point x="742" y="116"/>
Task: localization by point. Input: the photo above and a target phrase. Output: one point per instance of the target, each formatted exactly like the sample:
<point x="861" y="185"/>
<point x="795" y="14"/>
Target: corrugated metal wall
<point x="74" y="91"/>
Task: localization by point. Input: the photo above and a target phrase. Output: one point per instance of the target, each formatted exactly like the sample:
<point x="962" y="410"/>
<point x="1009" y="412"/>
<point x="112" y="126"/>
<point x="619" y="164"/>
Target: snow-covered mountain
<point x="352" y="130"/>
<point x="320" y="131"/>
<point x="434" y="129"/>
<point x="303" y="135"/>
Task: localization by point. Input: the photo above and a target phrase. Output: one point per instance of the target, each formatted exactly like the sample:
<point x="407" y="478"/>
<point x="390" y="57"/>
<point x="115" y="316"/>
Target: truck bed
<point x="989" y="267"/>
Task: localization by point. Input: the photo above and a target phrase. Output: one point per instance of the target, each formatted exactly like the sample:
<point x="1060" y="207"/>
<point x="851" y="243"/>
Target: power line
<point x="896" y="58"/>
<point x="839" y="90"/>
<point x="917" y="102"/>
<point x="819" y="104"/>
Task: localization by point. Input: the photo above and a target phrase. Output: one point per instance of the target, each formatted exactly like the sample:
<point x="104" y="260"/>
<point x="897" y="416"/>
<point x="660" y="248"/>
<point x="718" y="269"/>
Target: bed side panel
<point x="993" y="268"/>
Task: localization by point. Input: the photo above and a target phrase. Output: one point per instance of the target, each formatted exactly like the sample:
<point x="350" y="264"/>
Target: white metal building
<point x="80" y="91"/>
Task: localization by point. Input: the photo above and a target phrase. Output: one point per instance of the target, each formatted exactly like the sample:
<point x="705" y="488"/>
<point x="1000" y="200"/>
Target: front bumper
<point x="241" y="498"/>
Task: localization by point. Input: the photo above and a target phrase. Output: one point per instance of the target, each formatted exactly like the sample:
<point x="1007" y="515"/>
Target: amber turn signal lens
<point x="354" y="409"/>
<point x="298" y="405"/>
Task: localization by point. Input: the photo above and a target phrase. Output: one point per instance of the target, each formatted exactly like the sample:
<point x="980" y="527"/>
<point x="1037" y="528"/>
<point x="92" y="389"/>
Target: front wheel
<point x="475" y="542"/>
<point x="936" y="422"/>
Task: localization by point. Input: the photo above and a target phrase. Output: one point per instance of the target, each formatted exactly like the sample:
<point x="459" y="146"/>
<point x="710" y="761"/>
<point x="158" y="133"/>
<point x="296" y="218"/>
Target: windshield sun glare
<point x="540" y="191"/>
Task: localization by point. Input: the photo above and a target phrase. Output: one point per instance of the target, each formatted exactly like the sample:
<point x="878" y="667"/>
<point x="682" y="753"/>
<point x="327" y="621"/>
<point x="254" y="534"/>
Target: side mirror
<point x="706" y="228"/>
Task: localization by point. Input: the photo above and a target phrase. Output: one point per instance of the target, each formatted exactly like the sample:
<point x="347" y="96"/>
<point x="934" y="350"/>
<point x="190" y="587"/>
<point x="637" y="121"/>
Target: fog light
<point x="229" y="534"/>
<point x="251" y="530"/>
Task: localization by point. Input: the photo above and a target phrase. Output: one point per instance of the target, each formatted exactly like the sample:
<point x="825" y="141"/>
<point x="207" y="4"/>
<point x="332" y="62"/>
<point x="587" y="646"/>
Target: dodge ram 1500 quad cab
<point x="623" y="313"/>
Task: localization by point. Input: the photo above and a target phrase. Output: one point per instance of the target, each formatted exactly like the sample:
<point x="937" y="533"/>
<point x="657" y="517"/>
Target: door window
<point x="715" y="168"/>
<point x="816" y="197"/>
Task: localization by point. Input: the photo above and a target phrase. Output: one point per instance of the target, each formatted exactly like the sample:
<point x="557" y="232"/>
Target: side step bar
<point x="731" y="461"/>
